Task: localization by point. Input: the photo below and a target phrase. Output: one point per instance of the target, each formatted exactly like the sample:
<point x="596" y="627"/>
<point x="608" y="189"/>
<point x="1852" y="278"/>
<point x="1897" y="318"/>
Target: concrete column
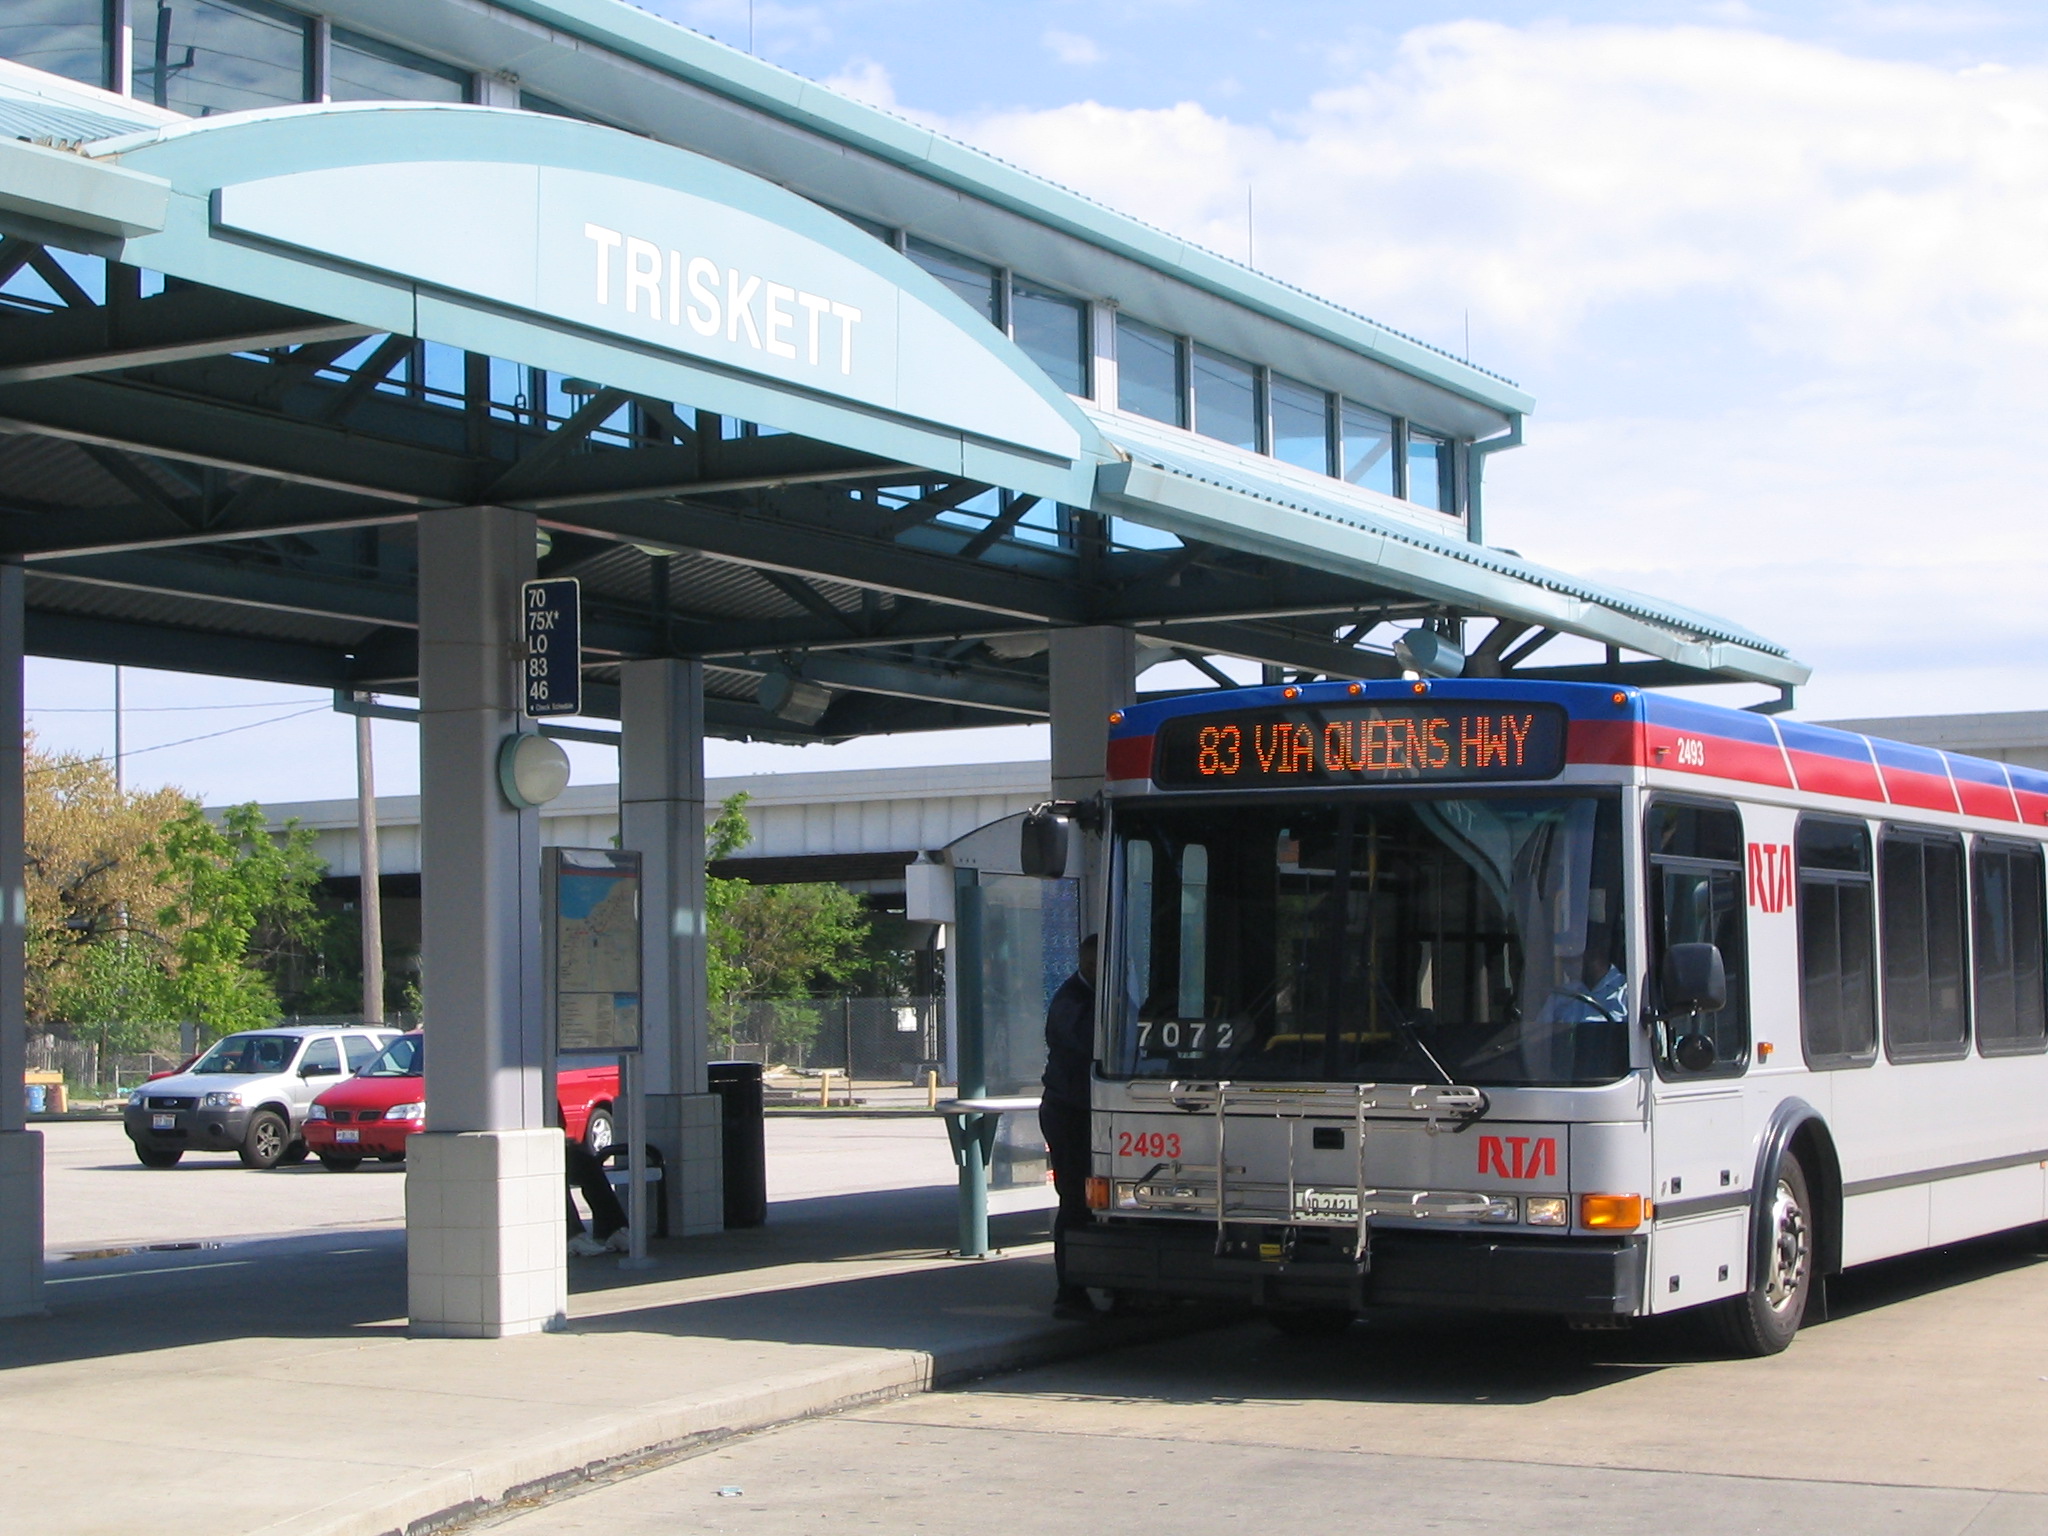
<point x="1092" y="671"/>
<point x="484" y="1185"/>
<point x="21" y="1150"/>
<point x="661" y="814"/>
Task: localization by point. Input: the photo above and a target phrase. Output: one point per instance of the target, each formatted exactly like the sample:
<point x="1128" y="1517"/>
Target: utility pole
<point x="119" y="786"/>
<point x="370" y="901"/>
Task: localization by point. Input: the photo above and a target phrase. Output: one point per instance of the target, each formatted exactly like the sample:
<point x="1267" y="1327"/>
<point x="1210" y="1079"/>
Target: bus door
<point x="1694" y="861"/>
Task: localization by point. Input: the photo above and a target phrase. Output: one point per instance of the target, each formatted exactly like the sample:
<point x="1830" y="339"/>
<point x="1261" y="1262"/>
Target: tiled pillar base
<point x="21" y="1223"/>
<point x="689" y="1129"/>
<point x="485" y="1239"/>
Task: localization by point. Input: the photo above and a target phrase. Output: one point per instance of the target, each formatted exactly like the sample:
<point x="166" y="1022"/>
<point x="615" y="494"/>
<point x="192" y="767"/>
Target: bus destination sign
<point x="1380" y="743"/>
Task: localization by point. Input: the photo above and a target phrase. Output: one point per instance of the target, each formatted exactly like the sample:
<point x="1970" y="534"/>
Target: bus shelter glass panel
<point x="200" y="57"/>
<point x="363" y="69"/>
<point x="1030" y="944"/>
<point x="1474" y="939"/>
<point x="64" y="37"/>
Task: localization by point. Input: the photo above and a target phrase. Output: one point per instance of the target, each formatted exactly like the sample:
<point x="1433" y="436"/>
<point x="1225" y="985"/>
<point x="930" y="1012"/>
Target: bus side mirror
<point x="1693" y="980"/>
<point x="1042" y="850"/>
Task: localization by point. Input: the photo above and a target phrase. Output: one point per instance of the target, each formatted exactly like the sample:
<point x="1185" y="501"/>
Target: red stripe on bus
<point x="1605" y="741"/>
<point x="1921" y="791"/>
<point x="1130" y="757"/>
<point x="1993" y="801"/>
<point x="1821" y="773"/>
<point x="1717" y="757"/>
<point x="2033" y="805"/>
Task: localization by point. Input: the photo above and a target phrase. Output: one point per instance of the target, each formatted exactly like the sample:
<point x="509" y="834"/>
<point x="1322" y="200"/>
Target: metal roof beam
<point x="122" y="642"/>
<point x="980" y="689"/>
<point x="86" y="410"/>
<point x="816" y="548"/>
<point x="178" y="325"/>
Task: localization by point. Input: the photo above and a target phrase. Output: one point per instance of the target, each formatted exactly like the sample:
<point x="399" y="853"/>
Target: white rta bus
<point x="1554" y="998"/>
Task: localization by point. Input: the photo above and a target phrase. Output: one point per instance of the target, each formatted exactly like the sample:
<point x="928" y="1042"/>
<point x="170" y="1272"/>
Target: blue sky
<point x="1777" y="276"/>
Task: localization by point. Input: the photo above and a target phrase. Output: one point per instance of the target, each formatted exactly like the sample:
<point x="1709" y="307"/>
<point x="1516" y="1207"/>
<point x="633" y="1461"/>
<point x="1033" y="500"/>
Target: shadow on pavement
<point x="350" y="1283"/>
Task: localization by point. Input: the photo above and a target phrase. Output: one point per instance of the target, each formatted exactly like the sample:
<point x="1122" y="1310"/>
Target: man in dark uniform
<point x="1063" y="1116"/>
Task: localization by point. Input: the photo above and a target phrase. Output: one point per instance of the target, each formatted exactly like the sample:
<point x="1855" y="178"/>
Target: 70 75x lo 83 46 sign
<point x="551" y="614"/>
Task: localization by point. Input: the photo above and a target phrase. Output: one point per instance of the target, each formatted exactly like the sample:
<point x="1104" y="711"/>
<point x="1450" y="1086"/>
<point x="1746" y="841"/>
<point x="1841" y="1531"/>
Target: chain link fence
<point x="871" y="1039"/>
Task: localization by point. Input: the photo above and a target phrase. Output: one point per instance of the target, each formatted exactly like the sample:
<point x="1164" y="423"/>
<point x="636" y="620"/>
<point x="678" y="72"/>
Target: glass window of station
<point x="200" y="57"/>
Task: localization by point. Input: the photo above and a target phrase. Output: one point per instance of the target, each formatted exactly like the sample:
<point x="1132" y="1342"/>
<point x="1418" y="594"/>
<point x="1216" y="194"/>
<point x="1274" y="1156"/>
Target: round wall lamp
<point x="531" y="769"/>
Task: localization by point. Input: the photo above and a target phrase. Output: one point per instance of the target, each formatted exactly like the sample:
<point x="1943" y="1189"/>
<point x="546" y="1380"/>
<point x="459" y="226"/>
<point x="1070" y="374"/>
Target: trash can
<point x="738" y="1086"/>
<point x="38" y="1096"/>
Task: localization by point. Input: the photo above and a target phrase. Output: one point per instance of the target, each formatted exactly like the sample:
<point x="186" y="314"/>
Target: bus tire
<point x="1311" y="1322"/>
<point x="1763" y="1319"/>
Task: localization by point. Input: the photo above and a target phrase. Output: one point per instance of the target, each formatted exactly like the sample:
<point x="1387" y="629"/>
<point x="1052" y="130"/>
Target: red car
<point x="371" y="1114"/>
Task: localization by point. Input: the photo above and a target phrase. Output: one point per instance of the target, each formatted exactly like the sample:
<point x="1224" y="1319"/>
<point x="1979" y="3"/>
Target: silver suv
<point x="247" y="1094"/>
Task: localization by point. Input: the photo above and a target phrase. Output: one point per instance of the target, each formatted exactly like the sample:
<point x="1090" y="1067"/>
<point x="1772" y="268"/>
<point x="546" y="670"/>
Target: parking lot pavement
<point x="98" y="1197"/>
<point x="1918" y="1411"/>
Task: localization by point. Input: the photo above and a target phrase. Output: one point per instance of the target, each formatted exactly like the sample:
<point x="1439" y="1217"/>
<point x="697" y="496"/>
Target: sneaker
<point x="584" y="1246"/>
<point x="620" y="1241"/>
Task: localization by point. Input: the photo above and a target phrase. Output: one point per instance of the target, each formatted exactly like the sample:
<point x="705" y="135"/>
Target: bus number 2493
<point x="1148" y="1144"/>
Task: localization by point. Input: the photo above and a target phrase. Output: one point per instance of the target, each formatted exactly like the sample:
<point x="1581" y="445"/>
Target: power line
<point x="317" y="709"/>
<point x="153" y="709"/>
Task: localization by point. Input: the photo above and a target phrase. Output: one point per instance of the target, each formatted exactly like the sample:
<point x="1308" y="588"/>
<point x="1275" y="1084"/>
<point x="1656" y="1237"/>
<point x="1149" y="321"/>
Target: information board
<point x="592" y="912"/>
<point x="552" y="614"/>
<point x="1360" y="744"/>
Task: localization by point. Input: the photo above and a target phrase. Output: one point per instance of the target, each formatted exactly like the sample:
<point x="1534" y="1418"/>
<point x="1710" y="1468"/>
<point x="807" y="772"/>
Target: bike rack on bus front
<point x="1431" y="1103"/>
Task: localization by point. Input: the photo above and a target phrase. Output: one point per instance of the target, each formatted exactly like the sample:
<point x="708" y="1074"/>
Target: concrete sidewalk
<point x="268" y="1386"/>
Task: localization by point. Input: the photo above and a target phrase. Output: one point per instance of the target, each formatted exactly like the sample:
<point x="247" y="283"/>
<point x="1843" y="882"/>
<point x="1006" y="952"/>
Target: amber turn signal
<point x="1621" y="698"/>
<point x="1098" y="1194"/>
<point x="1611" y="1213"/>
<point x="1355" y="689"/>
<point x="1116" y="717"/>
<point x="1290" y="693"/>
<point x="1420" y="687"/>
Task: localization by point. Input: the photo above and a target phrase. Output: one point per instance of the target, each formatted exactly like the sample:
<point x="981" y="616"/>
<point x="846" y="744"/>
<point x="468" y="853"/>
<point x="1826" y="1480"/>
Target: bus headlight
<point x="1548" y="1211"/>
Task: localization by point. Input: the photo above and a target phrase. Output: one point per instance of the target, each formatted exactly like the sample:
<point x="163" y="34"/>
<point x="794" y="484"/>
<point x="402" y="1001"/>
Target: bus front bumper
<point x="1479" y="1271"/>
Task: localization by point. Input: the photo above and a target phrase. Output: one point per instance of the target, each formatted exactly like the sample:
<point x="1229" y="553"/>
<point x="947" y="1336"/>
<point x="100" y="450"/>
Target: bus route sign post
<point x="553" y="619"/>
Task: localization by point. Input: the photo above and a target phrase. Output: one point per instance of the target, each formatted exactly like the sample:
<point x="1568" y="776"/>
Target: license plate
<point x="163" y="1122"/>
<point x="341" y="1135"/>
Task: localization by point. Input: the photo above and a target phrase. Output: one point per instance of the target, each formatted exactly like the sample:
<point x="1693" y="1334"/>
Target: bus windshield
<point x="1471" y="939"/>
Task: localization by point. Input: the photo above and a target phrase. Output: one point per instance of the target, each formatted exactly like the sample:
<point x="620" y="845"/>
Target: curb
<point x="619" y="1444"/>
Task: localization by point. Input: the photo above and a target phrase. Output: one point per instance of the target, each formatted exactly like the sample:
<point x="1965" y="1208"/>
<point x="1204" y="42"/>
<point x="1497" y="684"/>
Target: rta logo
<point x="1770" y="876"/>
<point x="1518" y="1157"/>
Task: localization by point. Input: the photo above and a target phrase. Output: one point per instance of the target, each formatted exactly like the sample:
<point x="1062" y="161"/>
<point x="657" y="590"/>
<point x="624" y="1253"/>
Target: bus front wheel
<point x="1763" y="1319"/>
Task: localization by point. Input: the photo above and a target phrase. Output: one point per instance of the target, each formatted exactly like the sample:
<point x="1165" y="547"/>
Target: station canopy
<point x="240" y="356"/>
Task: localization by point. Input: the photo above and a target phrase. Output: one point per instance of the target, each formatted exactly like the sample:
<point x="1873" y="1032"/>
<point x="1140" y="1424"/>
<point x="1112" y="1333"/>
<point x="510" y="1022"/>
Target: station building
<point x="323" y="327"/>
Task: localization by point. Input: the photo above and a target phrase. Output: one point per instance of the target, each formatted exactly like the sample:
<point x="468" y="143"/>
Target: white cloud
<point x="1071" y="47"/>
<point x="1788" y="307"/>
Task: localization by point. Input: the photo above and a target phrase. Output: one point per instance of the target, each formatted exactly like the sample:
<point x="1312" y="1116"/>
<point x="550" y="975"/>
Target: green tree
<point x="775" y="944"/>
<point x="231" y="883"/>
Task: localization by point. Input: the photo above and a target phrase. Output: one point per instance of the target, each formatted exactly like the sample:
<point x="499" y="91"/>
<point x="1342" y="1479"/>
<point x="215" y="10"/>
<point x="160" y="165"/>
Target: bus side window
<point x="1696" y="897"/>
<point x="2012" y="1006"/>
<point x="1920" y="897"/>
<point x="1837" y="950"/>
